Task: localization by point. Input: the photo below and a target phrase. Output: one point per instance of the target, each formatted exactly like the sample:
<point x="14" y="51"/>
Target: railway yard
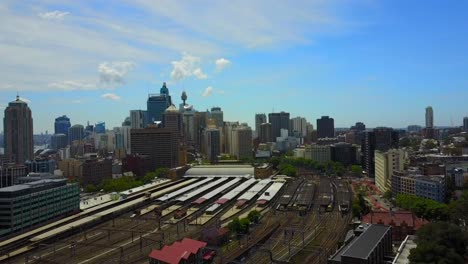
<point x="303" y="219"/>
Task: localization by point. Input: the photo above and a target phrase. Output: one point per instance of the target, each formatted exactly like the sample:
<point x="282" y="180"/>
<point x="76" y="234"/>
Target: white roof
<point x="183" y="190"/>
<point x="220" y="189"/>
<point x="238" y="190"/>
<point x="200" y="190"/>
<point x="248" y="195"/>
<point x="221" y="170"/>
<point x="271" y="191"/>
<point x="213" y="207"/>
<point x="156" y="182"/>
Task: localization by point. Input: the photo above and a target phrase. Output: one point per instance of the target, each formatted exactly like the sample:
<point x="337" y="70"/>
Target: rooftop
<point x="363" y="245"/>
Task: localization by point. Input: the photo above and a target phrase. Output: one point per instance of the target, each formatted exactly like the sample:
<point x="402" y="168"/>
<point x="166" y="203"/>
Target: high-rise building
<point x="385" y="164"/>
<point x="58" y="141"/>
<point x="321" y="154"/>
<point x="162" y="145"/>
<point x="465" y="124"/>
<point x="241" y="142"/>
<point x="325" y="127"/>
<point x="62" y="124"/>
<point x="212" y="143"/>
<point x="359" y="126"/>
<point x="265" y="133"/>
<point x="138" y="118"/>
<point x="278" y="121"/>
<point x="200" y="125"/>
<point x="157" y="104"/>
<point x="381" y="138"/>
<point x="344" y="153"/>
<point x="218" y="115"/>
<point x="10" y="172"/>
<point x="100" y="128"/>
<point x="75" y="132"/>
<point x="429" y="117"/>
<point x="259" y="120"/>
<point x="18" y="131"/>
<point x="298" y="126"/>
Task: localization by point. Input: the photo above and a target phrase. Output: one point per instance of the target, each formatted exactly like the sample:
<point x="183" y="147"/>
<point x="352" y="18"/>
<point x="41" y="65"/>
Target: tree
<point x="430" y="145"/>
<point x="254" y="216"/>
<point x="422" y="207"/>
<point x="162" y="172"/>
<point x="234" y="226"/>
<point x="288" y="170"/>
<point x="275" y="161"/>
<point x="356" y="170"/>
<point x="387" y="195"/>
<point x="458" y="210"/>
<point x="244" y="226"/>
<point x="91" y="188"/>
<point x="439" y="242"/>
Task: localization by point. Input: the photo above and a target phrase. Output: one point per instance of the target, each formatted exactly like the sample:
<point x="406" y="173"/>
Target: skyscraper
<point x="265" y="133"/>
<point x="429" y="117"/>
<point x="62" y="124"/>
<point x="381" y="138"/>
<point x="100" y="128"/>
<point x="157" y="104"/>
<point x="76" y="132"/>
<point x="465" y="124"/>
<point x="325" y="127"/>
<point x="278" y="121"/>
<point x="18" y="131"/>
<point x="218" y="115"/>
<point x="212" y="142"/>
<point x="160" y="144"/>
<point x="138" y="118"/>
<point x="58" y="141"/>
<point x="259" y="119"/>
<point x="298" y="126"/>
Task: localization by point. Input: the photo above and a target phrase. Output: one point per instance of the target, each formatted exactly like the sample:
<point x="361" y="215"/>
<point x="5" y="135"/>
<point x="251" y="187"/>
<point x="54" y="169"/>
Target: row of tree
<point x="359" y="206"/>
<point x="440" y="242"/>
<point x="329" y="168"/>
<point x="126" y="182"/>
<point x="456" y="211"/>
<point x="242" y="226"/>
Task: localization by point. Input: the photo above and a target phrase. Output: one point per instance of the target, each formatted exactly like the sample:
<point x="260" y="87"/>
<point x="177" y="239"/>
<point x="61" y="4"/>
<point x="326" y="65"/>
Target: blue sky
<point x="380" y="62"/>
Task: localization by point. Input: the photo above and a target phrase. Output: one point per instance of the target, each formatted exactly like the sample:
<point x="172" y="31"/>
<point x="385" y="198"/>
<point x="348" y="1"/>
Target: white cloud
<point x="186" y="67"/>
<point x="78" y="101"/>
<point x="111" y="96"/>
<point x="199" y="74"/>
<point x="72" y="85"/>
<point x="221" y="64"/>
<point x="208" y="91"/>
<point x="54" y="15"/>
<point x="113" y="73"/>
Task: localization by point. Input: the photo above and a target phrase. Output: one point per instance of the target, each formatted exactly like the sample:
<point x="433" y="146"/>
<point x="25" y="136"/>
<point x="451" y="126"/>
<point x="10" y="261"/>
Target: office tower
<point x="157" y="104"/>
<point x="100" y="128"/>
<point x="58" y="141"/>
<point x="212" y="143"/>
<point x="62" y="124"/>
<point x="414" y="129"/>
<point x="344" y="153"/>
<point x="278" y="121"/>
<point x="218" y="116"/>
<point x="380" y="138"/>
<point x="465" y="124"/>
<point x="75" y="132"/>
<point x="359" y="126"/>
<point x="160" y="144"/>
<point x="138" y="118"/>
<point x="325" y="127"/>
<point x="190" y="129"/>
<point x="228" y="137"/>
<point x="127" y="122"/>
<point x="265" y="133"/>
<point x="200" y="125"/>
<point x="259" y="120"/>
<point x="89" y="129"/>
<point x="18" y="131"/>
<point x="385" y="164"/>
<point x="240" y="144"/>
<point x="172" y="120"/>
<point x="429" y="117"/>
<point x="298" y="126"/>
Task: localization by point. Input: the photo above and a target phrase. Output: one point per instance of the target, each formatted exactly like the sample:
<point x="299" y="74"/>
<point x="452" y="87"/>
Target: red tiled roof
<point x="261" y="202"/>
<point x="395" y="218"/>
<point x="241" y="202"/>
<point x="179" y="250"/>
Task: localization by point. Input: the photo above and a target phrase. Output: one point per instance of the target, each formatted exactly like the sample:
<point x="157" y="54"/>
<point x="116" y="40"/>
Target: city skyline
<point x="392" y="59"/>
